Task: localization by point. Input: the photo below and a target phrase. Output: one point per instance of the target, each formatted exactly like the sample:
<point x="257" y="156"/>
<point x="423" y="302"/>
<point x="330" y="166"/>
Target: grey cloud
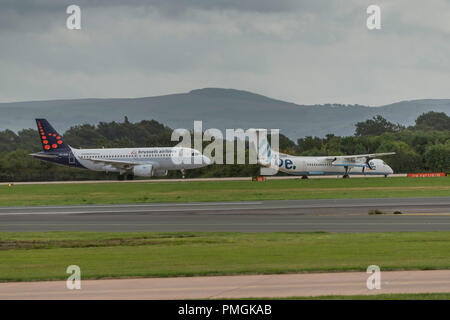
<point x="45" y="13"/>
<point x="301" y="51"/>
<point x="169" y="6"/>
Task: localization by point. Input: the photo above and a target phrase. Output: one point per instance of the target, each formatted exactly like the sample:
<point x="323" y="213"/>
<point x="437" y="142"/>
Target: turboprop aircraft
<point x="128" y="162"/>
<point x="360" y="164"/>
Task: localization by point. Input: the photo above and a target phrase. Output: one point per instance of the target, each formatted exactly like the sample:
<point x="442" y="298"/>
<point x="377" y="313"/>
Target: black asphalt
<point x="340" y="215"/>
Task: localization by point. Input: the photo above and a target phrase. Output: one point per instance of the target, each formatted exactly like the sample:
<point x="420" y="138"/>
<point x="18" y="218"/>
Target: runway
<point x="339" y="215"/>
<point x="194" y="179"/>
<point x="247" y="286"/>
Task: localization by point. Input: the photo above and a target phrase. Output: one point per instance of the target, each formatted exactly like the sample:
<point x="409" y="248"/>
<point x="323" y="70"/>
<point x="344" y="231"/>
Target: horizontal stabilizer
<point x="43" y="155"/>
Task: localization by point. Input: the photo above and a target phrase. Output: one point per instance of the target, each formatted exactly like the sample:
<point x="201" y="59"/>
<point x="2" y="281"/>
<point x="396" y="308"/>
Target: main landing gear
<point x="122" y="177"/>
<point x="304" y="177"/>
<point x="182" y="173"/>
<point x="347" y="171"/>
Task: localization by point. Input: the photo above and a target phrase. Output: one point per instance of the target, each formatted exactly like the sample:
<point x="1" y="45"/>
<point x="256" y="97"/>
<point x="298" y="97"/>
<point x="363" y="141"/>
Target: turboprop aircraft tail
<point x="266" y="156"/>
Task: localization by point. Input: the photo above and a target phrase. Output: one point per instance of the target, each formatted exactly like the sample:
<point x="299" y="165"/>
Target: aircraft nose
<point x="390" y="170"/>
<point x="206" y="160"/>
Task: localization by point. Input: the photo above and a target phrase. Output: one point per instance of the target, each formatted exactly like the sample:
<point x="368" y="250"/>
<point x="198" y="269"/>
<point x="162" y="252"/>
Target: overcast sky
<point x="306" y="52"/>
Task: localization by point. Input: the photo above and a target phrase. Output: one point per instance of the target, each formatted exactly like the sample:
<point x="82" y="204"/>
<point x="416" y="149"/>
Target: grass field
<point x="46" y="255"/>
<point x="114" y="193"/>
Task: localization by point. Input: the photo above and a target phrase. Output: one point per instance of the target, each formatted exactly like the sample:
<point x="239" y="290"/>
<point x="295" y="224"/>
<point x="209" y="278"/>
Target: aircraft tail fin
<point x="50" y="139"/>
<point x="265" y="153"/>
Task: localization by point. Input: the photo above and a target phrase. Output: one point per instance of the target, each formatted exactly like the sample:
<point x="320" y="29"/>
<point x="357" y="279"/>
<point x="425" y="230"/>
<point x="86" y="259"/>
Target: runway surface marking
<point x="134" y="211"/>
<point x="444" y="202"/>
<point x="136" y="205"/>
<point x="246" y="286"/>
<point x="332" y="215"/>
<point x="241" y="224"/>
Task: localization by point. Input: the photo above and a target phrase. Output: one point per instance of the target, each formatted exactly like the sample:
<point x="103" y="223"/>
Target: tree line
<point x="424" y="147"/>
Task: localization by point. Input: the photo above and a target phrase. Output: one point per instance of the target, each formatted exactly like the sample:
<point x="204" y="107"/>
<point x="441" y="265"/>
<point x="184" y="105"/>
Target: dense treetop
<point x="420" y="148"/>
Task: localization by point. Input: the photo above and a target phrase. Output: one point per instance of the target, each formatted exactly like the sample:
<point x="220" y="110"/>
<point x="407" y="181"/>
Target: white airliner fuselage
<point x="313" y="166"/>
<point x="141" y="162"/>
<point x="361" y="164"/>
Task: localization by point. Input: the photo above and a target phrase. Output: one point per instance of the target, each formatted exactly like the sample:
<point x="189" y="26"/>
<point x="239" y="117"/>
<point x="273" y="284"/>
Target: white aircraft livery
<point x="361" y="164"/>
<point x="129" y="162"/>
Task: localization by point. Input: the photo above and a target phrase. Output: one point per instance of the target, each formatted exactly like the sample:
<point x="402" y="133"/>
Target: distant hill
<point x="218" y="108"/>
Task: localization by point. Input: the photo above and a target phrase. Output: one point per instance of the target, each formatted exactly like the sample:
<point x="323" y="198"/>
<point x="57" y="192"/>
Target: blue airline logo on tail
<point x="267" y="150"/>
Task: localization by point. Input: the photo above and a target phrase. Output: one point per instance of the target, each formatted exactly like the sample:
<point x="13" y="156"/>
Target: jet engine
<point x="143" y="170"/>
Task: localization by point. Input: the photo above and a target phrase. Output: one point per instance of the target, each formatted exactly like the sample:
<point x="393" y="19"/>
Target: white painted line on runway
<point x="231" y="224"/>
<point x="175" y="210"/>
<point x="134" y="205"/>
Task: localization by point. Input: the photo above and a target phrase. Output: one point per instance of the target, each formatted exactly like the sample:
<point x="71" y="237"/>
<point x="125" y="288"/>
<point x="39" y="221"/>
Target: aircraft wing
<point x="125" y="165"/>
<point x="359" y="160"/>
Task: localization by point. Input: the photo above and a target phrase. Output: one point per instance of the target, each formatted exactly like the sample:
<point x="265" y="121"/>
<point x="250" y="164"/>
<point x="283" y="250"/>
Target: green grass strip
<point x="119" y="193"/>
<point x="46" y="255"/>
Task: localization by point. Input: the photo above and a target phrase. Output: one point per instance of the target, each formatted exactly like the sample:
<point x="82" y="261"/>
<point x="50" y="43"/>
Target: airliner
<point x="361" y="164"/>
<point x="128" y="162"/>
